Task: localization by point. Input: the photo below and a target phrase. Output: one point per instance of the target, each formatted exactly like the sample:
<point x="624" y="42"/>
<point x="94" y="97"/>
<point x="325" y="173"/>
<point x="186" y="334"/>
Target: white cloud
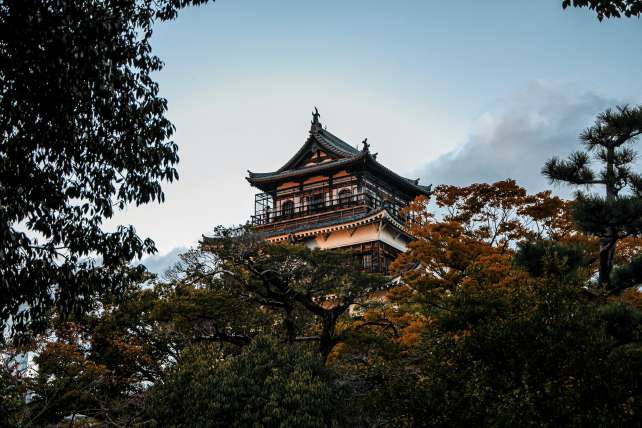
<point x="518" y="133"/>
<point x="159" y="264"/>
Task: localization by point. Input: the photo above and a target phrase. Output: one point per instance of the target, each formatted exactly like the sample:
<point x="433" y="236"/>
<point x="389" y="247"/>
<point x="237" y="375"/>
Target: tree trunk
<point x="607" y="255"/>
<point x="290" y="326"/>
<point x="608" y="243"/>
<point x="328" y="339"/>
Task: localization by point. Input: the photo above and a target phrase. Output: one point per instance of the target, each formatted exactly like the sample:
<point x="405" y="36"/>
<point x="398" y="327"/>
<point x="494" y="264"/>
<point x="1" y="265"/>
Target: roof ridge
<point x="337" y="142"/>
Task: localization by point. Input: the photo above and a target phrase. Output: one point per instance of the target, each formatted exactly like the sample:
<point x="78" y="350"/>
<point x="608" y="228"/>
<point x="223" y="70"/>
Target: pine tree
<point x="617" y="213"/>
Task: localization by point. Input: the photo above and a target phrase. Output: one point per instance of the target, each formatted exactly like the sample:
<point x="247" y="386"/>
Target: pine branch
<point x="627" y="276"/>
<point x="624" y="156"/>
<point x="614" y="128"/>
<point x="635" y="182"/>
<point x="575" y="170"/>
<point x="594" y="214"/>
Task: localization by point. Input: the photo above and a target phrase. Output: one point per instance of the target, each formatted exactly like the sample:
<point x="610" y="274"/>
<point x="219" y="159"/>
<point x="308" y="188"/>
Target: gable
<point x="312" y="153"/>
<point x="314" y="157"/>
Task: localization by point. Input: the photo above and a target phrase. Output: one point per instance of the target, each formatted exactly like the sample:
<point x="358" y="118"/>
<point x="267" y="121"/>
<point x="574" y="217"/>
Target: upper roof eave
<point x="266" y="177"/>
<point x="409" y="185"/>
<point x="419" y="189"/>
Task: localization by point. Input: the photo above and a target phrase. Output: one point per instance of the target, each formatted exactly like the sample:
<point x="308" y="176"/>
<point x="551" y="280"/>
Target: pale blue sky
<point x="428" y="82"/>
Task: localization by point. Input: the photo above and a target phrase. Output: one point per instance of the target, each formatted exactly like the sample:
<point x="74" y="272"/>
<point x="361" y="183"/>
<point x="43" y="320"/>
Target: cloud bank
<point x="518" y="134"/>
<point x="159" y="264"/>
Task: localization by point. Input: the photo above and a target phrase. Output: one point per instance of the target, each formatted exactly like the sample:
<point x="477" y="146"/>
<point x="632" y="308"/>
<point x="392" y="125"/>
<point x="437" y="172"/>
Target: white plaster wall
<point x="367" y="233"/>
<point x="342" y="238"/>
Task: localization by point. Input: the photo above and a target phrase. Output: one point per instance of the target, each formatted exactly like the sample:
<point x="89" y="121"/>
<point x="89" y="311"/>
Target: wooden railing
<point x="344" y="206"/>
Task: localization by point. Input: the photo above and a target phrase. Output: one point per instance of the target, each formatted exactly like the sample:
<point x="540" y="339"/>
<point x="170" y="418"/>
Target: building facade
<point x="333" y="195"/>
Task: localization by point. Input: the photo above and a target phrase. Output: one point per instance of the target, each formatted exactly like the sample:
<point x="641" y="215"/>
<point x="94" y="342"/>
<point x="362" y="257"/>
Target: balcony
<point x="314" y="209"/>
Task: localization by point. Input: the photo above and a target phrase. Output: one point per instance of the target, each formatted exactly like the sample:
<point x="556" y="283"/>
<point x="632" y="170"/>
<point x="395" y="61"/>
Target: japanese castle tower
<point x="333" y="195"/>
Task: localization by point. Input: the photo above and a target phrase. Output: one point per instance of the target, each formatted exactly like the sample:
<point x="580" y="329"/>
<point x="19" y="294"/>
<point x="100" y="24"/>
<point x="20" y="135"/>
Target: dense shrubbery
<point x="536" y="354"/>
<point x="493" y="326"/>
<point x="267" y="384"/>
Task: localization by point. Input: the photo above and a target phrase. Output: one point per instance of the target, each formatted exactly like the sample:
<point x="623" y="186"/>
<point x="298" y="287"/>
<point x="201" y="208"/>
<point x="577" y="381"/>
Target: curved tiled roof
<point x="335" y="143"/>
<point x="326" y="226"/>
<point x="345" y="155"/>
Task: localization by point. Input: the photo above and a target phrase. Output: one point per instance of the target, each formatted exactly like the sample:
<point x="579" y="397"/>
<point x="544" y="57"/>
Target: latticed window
<point x="367" y="261"/>
<point x="287" y="209"/>
<point x="316" y="202"/>
<point x="345" y="195"/>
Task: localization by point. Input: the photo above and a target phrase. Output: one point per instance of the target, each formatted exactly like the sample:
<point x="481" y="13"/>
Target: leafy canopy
<point x="608" y="8"/>
<point x="83" y="133"/>
<point x="309" y="291"/>
<point x="268" y="384"/>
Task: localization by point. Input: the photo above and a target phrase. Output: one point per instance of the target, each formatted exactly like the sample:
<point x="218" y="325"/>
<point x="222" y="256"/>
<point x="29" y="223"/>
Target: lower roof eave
<point x="381" y="215"/>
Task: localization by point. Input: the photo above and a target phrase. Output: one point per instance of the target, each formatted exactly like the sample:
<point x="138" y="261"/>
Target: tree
<point x="608" y="8"/>
<point x="12" y="391"/>
<point x="102" y="363"/>
<point x="481" y="331"/>
<point x="500" y="328"/>
<point x="617" y="214"/>
<point x="268" y="384"/>
<point x="98" y="365"/>
<point x="308" y="291"/>
<point x="502" y="213"/>
<point x="470" y="242"/>
<point x="84" y="133"/>
<point x="527" y="353"/>
<point x="67" y="382"/>
<point x="473" y="240"/>
<point x="496" y="326"/>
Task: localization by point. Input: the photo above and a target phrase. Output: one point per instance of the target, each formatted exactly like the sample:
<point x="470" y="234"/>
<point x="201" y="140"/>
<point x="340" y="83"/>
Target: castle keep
<point x="333" y="195"/>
